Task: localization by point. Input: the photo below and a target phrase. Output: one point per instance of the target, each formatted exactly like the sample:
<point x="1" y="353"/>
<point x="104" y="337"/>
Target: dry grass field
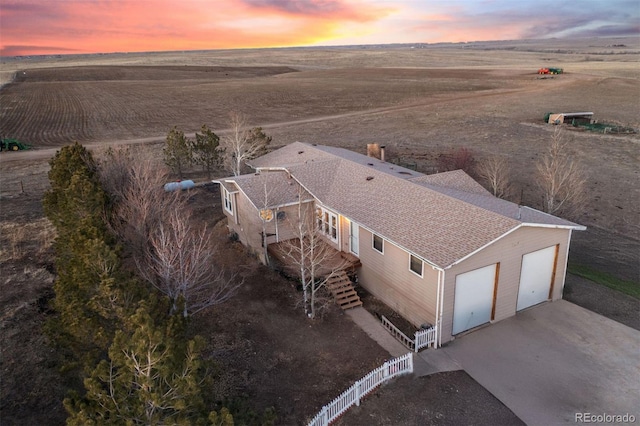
<point x="419" y="101"/>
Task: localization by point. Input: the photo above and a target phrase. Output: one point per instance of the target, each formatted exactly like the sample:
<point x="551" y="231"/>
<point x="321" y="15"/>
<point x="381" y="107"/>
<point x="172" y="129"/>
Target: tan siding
<point x="344" y="234"/>
<point x="387" y="276"/>
<point x="286" y="228"/>
<point x="249" y="226"/>
<point x="508" y="252"/>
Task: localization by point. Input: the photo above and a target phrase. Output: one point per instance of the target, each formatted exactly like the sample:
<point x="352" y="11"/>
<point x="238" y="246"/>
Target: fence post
<point x="415" y="341"/>
<point x="411" y="364"/>
<point x="357" y="393"/>
<point x="385" y="369"/>
<point x="325" y="416"/>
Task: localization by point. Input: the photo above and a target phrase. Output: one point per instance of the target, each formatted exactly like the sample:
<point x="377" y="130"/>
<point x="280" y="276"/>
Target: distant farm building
<point x="575" y="118"/>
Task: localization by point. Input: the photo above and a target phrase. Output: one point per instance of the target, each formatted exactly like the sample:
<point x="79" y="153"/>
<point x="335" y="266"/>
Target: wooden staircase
<point x="343" y="292"/>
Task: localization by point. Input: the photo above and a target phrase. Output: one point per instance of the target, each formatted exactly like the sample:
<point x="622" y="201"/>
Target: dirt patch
<point x="452" y="398"/>
<point x="377" y="308"/>
<point x="618" y="255"/>
<point x="602" y="300"/>
<point x="269" y="351"/>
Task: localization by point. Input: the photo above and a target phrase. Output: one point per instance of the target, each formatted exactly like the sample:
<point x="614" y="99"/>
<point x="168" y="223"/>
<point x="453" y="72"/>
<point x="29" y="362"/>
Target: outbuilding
<point x="571" y="118"/>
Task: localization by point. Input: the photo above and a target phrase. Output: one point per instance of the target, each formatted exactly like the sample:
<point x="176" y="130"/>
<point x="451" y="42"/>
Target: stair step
<point x="344" y="295"/>
<point x="340" y="286"/>
<point x="343" y="292"/>
<point x="351" y="305"/>
<point x="347" y="299"/>
<point x="340" y="279"/>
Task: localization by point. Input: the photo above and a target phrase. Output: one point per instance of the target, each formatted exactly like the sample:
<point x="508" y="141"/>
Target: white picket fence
<point x="421" y="338"/>
<point x="353" y="395"/>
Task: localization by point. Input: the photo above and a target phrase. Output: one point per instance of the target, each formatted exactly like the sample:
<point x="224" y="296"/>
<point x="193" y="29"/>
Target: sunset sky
<point x="36" y="27"/>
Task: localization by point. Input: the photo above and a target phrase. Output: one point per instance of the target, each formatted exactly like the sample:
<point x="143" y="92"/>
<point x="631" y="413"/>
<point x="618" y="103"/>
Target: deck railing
<point x="353" y="395"/>
<point x="421" y="339"/>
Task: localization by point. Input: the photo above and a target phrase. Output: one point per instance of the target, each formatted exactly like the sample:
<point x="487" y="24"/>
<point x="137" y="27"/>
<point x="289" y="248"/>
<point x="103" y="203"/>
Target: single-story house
<point x="439" y="249"/>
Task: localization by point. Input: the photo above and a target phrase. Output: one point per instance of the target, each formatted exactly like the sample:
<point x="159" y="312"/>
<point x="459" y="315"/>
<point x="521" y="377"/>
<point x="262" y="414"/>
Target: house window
<point x="416" y="265"/>
<point x="228" y="201"/>
<point x="378" y="243"/>
<point x="328" y="223"/>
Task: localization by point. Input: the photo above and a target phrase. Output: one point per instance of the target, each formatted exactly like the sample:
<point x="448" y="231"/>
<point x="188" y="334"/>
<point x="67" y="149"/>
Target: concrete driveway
<point x="555" y="360"/>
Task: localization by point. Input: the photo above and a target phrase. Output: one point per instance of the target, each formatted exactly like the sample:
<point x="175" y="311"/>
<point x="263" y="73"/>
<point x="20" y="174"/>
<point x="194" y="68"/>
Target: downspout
<point x="441" y="289"/>
<point x="234" y="206"/>
<point x="437" y="309"/>
<point x="566" y="263"/>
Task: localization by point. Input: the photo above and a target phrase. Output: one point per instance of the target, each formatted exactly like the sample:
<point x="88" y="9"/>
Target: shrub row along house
<point x="438" y="249"/>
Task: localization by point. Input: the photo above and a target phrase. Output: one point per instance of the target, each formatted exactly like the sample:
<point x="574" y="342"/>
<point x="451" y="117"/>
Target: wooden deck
<point x="335" y="260"/>
<point x="336" y="268"/>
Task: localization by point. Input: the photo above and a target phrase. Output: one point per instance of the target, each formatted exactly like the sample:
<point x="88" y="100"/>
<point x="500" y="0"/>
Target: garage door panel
<point x="535" y="277"/>
<point x="473" y="299"/>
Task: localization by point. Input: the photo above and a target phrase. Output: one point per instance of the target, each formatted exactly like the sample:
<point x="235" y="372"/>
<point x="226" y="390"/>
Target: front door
<point x="354" y="237"/>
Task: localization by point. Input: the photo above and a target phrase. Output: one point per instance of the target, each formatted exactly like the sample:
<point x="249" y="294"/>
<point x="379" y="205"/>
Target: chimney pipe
<point x="382" y="153"/>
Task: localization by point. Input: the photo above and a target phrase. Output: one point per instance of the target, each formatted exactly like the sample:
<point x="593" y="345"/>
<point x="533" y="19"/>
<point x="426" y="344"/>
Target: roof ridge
<point x="487" y="196"/>
<point x="415" y="181"/>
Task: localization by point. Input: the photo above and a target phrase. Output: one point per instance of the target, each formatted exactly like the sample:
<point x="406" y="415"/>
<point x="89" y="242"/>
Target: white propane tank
<point x="180" y="185"/>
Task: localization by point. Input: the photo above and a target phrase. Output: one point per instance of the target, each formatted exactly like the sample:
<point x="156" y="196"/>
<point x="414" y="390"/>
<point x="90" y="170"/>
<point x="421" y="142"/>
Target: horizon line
<point x="48" y="55"/>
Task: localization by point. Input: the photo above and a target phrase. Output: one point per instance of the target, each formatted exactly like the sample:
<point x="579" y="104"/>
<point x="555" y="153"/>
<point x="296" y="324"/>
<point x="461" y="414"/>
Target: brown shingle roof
<point x="456" y="179"/>
<point x="441" y="218"/>
<point x="301" y="153"/>
<point x="267" y="189"/>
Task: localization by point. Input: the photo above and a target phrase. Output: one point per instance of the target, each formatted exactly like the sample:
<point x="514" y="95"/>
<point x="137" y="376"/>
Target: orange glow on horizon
<point x="32" y="27"/>
<point x="134" y="26"/>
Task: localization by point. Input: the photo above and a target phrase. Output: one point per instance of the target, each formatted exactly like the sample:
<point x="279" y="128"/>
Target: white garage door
<point x="535" y="277"/>
<point x="473" y="298"/>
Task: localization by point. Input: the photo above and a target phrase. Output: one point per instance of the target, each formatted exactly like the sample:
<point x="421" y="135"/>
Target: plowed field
<point x="50" y="107"/>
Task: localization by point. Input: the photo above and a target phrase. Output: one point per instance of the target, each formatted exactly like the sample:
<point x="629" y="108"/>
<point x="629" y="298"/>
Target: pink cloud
<point x="44" y="27"/>
<point x="87" y="26"/>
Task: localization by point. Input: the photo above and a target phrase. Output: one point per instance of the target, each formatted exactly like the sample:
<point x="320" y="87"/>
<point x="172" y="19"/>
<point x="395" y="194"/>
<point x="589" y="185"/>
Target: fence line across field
<point x="421" y="338"/>
<point x="357" y="391"/>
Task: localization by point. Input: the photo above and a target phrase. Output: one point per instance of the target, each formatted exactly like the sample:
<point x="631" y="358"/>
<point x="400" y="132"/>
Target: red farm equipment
<point x="550" y="71"/>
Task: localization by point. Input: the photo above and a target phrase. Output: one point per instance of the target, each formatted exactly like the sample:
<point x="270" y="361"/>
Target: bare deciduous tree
<point x="459" y="159"/>
<point x="180" y="262"/>
<point x="156" y="226"/>
<point x="115" y="171"/>
<point x="495" y="170"/>
<point x="311" y="255"/>
<point x="561" y="179"/>
<point x="266" y="215"/>
<point x="143" y="203"/>
<point x="242" y="144"/>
